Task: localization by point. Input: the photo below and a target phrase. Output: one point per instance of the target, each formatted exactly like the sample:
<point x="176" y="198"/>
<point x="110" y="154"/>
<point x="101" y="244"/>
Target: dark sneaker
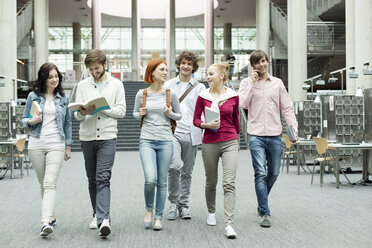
<point x="265" y="221"/>
<point x="46" y="230"/>
<point x="52" y="222"/>
<point x="172" y="212"/>
<point x="185" y="214"/>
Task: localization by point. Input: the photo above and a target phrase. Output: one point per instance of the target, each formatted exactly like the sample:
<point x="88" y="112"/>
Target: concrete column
<point x="134" y="58"/>
<point x="8" y="47"/>
<point x="136" y="41"/>
<point x="209" y="33"/>
<point x="297" y="49"/>
<point x="350" y="44"/>
<point x="227" y="37"/>
<point x="76" y="33"/>
<point x="170" y="31"/>
<point x="363" y="37"/>
<point x="96" y="24"/>
<point x="41" y="24"/>
<point x="263" y="24"/>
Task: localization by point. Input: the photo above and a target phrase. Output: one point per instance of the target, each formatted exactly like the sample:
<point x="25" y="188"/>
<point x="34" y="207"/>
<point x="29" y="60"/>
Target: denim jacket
<point x="62" y="114"/>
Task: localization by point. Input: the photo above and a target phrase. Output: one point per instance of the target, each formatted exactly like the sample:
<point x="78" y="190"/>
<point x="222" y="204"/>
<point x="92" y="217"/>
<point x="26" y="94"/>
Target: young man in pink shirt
<point x="265" y="97"/>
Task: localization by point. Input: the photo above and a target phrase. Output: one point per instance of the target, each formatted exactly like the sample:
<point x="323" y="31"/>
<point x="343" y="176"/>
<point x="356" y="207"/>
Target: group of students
<point x="167" y="152"/>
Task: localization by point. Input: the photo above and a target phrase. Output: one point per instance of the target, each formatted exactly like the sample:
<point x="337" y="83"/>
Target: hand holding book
<point x="291" y="133"/>
<point x="91" y="107"/>
<point x="212" y="117"/>
<point x="35" y="114"/>
<point x="88" y="111"/>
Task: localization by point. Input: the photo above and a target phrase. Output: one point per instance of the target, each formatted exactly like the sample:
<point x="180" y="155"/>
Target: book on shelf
<point x="291" y="133"/>
<point x="211" y="115"/>
<point x="99" y="102"/>
<point x="34" y="111"/>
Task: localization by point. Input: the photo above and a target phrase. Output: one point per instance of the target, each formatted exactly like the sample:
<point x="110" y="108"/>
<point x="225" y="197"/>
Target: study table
<point x="302" y="142"/>
<point x="10" y="143"/>
<point x="363" y="146"/>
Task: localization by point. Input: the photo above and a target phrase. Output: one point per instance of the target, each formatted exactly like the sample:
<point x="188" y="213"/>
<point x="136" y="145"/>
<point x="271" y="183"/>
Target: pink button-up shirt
<point x="265" y="100"/>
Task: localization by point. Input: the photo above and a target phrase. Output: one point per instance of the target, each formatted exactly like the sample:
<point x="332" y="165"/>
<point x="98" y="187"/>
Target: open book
<point x="211" y="115"/>
<point x="34" y="111"/>
<point x="100" y="103"/>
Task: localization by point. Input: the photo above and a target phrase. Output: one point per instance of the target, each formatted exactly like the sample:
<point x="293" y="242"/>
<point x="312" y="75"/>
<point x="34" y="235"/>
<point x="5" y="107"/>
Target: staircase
<point x="24" y="20"/>
<point x="323" y="38"/>
<point x="128" y="127"/>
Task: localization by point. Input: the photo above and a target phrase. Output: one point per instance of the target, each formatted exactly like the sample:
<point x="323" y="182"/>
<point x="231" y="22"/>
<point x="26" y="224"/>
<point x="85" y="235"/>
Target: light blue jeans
<point x="266" y="154"/>
<point x="156" y="157"/>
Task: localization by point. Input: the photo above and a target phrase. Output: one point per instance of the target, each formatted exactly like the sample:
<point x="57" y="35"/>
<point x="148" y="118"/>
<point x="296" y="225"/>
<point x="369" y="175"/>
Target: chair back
<point x="20" y="144"/>
<point x="321" y="145"/>
<point x="287" y="141"/>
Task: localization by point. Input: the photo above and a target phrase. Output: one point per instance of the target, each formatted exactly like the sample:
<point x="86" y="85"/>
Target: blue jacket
<point x="62" y="114"/>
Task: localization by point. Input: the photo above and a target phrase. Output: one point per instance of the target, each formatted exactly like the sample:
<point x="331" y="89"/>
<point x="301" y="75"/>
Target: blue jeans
<point x="266" y="154"/>
<point x="156" y="157"/>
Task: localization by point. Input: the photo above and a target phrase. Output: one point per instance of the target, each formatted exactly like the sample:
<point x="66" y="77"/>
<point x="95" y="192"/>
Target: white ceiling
<point x="238" y="12"/>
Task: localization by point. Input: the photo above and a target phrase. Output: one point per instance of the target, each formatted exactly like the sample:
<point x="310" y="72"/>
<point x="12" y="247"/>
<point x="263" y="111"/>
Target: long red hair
<point x="151" y="67"/>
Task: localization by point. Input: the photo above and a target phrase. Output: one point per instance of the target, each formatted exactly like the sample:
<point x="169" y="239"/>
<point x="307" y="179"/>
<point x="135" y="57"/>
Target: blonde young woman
<point x="220" y="140"/>
<point x="156" y="140"/>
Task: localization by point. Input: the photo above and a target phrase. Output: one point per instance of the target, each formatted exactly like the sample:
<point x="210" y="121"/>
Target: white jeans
<point x="47" y="164"/>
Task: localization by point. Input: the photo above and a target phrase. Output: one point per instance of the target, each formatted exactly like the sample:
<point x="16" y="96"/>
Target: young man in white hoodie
<point x="98" y="133"/>
<point x="186" y="138"/>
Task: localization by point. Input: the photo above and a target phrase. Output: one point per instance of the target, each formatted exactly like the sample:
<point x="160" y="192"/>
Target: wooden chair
<point x="324" y="157"/>
<point x="288" y="150"/>
<point x="18" y="154"/>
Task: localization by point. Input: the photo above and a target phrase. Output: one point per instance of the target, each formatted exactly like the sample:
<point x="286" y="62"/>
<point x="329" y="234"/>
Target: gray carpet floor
<point x="303" y="215"/>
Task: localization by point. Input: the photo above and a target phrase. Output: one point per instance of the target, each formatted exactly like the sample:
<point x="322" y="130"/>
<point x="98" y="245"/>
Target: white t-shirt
<point x="49" y="135"/>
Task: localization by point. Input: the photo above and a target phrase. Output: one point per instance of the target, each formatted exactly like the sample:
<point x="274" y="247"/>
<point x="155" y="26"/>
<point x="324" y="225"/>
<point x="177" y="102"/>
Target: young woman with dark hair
<point x="50" y="137"/>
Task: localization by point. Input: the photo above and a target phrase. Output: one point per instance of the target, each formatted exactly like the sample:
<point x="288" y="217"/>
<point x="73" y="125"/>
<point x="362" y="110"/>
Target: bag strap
<point x="187" y="91"/>
<point x="168" y="98"/>
<point x="143" y="103"/>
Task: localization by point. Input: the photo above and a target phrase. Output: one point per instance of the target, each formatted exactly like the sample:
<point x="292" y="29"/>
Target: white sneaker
<point x="230" y="233"/>
<point x="211" y="221"/>
<point x="105" y="228"/>
<point x="93" y="224"/>
<point x="46" y="230"/>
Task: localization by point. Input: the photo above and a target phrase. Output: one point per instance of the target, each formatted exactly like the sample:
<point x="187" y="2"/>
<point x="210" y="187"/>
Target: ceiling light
<point x="305" y="86"/>
<point x="332" y="79"/>
<point x="353" y="74"/>
<point x="367" y="71"/>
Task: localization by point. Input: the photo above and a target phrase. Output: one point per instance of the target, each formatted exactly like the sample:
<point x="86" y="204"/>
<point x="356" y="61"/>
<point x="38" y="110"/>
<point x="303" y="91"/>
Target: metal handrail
<point x="22" y="8"/>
